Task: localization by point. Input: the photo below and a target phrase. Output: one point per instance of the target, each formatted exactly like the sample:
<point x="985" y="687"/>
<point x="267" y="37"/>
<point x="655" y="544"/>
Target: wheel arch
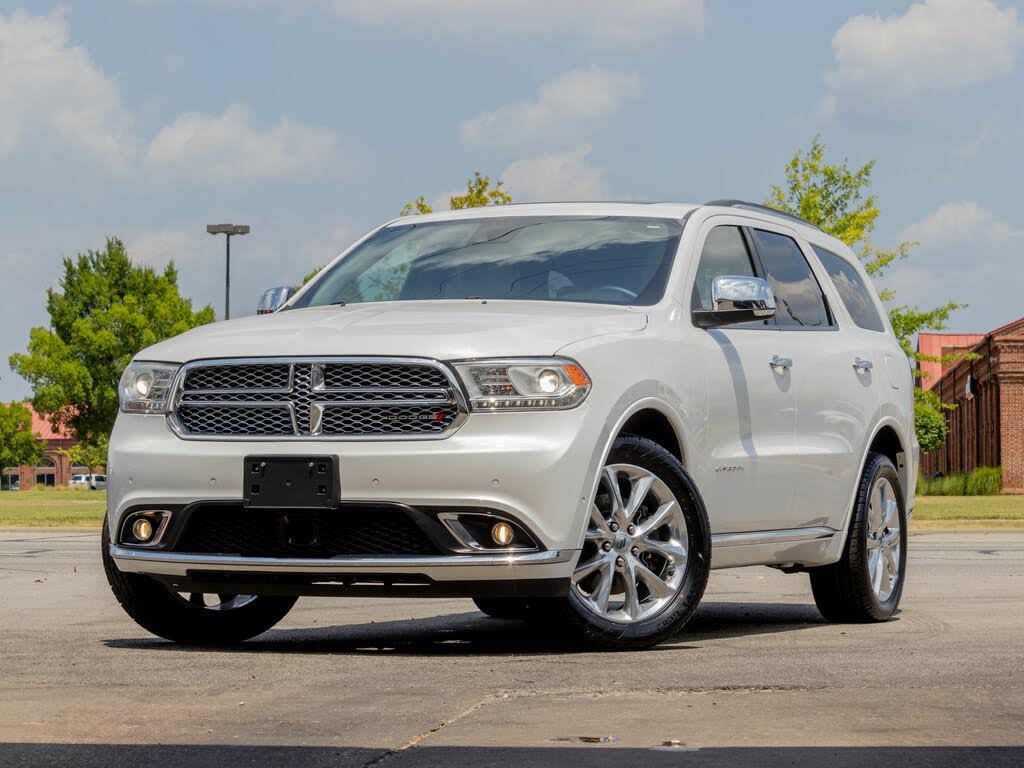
<point x="651" y="413"/>
<point x="652" y="423"/>
<point x="891" y="440"/>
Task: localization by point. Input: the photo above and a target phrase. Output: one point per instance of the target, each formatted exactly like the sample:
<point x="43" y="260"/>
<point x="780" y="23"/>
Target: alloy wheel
<point x="634" y="556"/>
<point x="883" y="539"/>
<point x="214" y="602"/>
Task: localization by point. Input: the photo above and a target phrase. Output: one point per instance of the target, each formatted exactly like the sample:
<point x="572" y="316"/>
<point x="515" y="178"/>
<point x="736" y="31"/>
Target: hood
<point x="446" y="330"/>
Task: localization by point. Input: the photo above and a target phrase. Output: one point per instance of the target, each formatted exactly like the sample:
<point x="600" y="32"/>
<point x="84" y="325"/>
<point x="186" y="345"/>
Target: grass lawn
<point x="969" y="508"/>
<point x="64" y="507"/>
<point x="53" y="507"/>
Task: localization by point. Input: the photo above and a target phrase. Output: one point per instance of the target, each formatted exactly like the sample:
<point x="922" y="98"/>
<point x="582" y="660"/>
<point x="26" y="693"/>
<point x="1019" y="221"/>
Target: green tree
<point x="837" y="199"/>
<point x="90" y="455"/>
<point x="18" y="443"/>
<point x="309" y="276"/>
<point x="105" y="310"/>
<point x="479" y="193"/>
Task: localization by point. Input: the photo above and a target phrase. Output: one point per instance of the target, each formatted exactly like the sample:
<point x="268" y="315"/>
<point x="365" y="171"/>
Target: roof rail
<point x="728" y="203"/>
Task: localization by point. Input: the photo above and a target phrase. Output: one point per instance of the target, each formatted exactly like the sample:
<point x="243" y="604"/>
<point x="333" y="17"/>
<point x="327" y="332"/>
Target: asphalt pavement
<point x="757" y="678"/>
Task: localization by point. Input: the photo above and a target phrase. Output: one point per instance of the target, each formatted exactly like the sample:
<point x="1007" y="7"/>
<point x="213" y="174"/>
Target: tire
<point x="679" y="560"/>
<point x="157" y="609"/>
<point x="860" y="588"/>
<point x="503" y="607"/>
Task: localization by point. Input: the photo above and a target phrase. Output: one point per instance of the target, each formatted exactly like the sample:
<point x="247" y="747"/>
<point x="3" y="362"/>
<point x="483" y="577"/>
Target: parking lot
<point x="757" y="678"/>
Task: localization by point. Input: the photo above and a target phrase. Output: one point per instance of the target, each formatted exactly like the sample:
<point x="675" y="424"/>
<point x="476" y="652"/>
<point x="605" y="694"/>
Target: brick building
<point x="54" y="469"/>
<point x="987" y="427"/>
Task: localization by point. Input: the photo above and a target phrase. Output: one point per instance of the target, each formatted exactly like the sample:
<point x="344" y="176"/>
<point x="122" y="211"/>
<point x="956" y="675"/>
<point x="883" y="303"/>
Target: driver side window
<point x="725" y="252"/>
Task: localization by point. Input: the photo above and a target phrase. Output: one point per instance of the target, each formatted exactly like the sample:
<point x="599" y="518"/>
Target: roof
<point x="661" y="210"/>
<point x="654" y="210"/>
<point x="932" y="344"/>
<point x="1008" y="327"/>
<point x="42" y="427"/>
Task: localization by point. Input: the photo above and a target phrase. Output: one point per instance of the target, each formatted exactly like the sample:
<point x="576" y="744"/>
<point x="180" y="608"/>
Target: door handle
<point x="780" y="362"/>
<point x="862" y="366"/>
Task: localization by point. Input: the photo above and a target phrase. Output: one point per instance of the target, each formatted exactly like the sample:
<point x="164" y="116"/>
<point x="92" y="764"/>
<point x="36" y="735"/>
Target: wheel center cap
<point x="621" y="541"/>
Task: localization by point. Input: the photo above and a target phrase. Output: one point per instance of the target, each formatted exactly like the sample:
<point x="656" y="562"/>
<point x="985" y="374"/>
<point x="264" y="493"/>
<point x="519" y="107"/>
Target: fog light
<point x="502" y="534"/>
<point x="142" y="529"/>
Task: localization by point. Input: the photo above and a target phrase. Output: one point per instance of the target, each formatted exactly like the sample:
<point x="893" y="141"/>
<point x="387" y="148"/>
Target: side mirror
<point x="736" y="300"/>
<point x="273" y="299"/>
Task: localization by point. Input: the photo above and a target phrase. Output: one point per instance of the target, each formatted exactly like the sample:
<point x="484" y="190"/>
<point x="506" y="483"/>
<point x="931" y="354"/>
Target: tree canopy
<point x="480" y="192"/>
<point x="105" y="310"/>
<point x="838" y="199"/>
<point x="18" y="443"/>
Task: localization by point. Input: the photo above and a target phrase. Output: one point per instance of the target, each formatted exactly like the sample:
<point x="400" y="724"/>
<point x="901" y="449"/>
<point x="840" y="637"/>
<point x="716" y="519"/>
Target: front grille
<point x="337" y="398"/>
<point x="371" y="420"/>
<point x="349" y="530"/>
<point x="267" y="378"/>
<point x="235" y="420"/>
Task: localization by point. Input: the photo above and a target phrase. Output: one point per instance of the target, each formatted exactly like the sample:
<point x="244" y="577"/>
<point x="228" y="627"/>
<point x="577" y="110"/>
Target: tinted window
<point x="607" y="259"/>
<point x="798" y="296"/>
<point x="852" y="290"/>
<point x="724" y="253"/>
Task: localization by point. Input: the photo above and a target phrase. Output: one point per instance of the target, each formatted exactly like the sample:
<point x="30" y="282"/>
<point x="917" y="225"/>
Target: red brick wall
<point x="986" y="430"/>
<point x="1011" y="406"/>
<point x="62" y="466"/>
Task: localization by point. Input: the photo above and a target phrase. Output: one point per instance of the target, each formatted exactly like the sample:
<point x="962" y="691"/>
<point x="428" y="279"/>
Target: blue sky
<point x="315" y="120"/>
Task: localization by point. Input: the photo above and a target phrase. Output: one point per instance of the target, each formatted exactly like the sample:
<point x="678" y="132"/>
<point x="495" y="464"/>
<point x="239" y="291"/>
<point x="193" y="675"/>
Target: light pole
<point x="229" y="230"/>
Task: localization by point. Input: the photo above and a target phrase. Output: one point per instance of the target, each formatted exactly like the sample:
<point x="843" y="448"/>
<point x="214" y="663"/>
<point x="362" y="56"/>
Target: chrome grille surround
<point x="320" y="398"/>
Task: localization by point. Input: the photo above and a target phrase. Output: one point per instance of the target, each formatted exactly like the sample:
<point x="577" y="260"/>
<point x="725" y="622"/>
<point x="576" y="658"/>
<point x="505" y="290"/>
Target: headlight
<point x="542" y="384"/>
<point x="145" y="387"/>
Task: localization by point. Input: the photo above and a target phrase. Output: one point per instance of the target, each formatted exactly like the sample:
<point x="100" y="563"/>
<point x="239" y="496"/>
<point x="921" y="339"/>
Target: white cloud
<point x="552" y="177"/>
<point x="937" y="45"/>
<point x="565" y="107"/>
<point x="157" y="247"/>
<point x="597" y="22"/>
<point x="954" y="225"/>
<point x="966" y="255"/>
<point x="51" y="91"/>
<point x="228" y="147"/>
<point x="49" y="87"/>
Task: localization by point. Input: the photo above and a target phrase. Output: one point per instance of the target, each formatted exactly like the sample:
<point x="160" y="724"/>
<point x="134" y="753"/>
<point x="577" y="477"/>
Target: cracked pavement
<point x="757" y="677"/>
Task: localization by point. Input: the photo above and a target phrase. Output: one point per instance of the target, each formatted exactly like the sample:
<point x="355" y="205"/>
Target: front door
<point x="745" y="468"/>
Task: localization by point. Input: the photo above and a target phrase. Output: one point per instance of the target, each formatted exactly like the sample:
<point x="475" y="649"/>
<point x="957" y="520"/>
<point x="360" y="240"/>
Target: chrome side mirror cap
<point x="273" y="299"/>
<point x="736" y="299"/>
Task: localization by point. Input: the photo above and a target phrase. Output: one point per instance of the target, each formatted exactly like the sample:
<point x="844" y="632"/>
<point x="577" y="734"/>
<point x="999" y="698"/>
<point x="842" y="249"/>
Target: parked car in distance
<point x="567" y="412"/>
<point x="94" y="482"/>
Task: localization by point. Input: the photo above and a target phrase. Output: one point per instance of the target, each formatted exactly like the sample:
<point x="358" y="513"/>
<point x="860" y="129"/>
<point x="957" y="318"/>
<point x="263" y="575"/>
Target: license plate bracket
<point x="291" y="482"/>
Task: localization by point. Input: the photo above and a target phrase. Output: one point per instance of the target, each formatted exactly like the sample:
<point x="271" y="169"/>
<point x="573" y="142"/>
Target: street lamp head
<point x="227" y="229"/>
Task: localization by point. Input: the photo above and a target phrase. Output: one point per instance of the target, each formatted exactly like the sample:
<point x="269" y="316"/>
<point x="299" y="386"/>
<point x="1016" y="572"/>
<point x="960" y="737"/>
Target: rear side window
<point x="851" y="288"/>
<point x="724" y="253"/>
<point x="798" y="297"/>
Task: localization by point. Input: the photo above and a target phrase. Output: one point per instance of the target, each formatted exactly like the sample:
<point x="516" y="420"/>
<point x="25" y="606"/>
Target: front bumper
<point x="536" y="467"/>
<point x="528" y="574"/>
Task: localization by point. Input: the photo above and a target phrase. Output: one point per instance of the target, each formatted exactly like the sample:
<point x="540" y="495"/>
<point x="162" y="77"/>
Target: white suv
<point x="567" y="412"/>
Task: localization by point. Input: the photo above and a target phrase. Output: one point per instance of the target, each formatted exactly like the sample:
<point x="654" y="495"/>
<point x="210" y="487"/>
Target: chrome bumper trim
<point x="143" y="561"/>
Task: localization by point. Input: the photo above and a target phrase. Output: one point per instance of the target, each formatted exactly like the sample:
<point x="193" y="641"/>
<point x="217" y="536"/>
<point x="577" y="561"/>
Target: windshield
<point x="605" y="260"/>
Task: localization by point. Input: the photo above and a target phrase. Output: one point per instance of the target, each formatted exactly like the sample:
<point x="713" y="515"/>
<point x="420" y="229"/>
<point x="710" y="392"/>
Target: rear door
<point x="838" y="399"/>
<point x="833" y="379"/>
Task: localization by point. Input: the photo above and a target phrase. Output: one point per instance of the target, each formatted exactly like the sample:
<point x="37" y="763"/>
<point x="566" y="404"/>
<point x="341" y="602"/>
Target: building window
<point x="46" y="472"/>
<point x="10" y="480"/>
